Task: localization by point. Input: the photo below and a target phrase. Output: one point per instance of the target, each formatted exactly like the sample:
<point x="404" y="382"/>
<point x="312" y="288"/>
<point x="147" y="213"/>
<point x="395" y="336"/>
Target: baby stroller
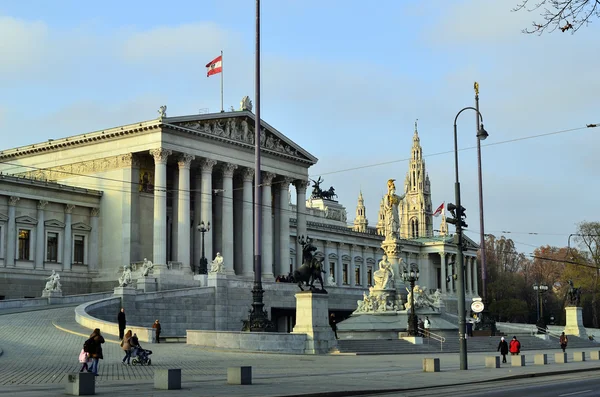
<point x="140" y="356"/>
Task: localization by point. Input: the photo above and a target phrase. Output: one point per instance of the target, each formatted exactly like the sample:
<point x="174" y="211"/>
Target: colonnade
<point x="448" y="269"/>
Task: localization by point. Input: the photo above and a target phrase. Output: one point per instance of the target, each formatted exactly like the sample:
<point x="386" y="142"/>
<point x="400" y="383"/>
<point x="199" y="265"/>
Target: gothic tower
<point x="360" y="222"/>
<point x="381" y="219"/>
<point x="415" y="212"/>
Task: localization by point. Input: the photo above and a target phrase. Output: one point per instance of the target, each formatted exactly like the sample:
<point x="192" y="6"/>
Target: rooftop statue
<point x="318" y="193"/>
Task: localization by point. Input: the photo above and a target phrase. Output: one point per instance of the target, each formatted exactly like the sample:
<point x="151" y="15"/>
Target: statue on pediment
<point x="162" y="111"/>
<point x="246" y="104"/>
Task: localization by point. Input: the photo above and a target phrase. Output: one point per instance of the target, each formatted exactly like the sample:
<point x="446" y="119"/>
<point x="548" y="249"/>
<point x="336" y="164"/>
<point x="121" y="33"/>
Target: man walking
<point x="503" y="349"/>
<point x="122" y="323"/>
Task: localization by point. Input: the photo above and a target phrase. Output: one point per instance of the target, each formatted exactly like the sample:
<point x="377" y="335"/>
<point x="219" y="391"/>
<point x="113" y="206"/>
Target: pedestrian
<point x="333" y="324"/>
<point x="563" y="341"/>
<point x="421" y="327"/>
<point x="95" y="349"/>
<point x="158" y="328"/>
<point x="503" y="349"/>
<point x="122" y="323"/>
<point x="84" y="359"/>
<point x="514" y="346"/>
<point x="470" y="329"/>
<point x="126" y="346"/>
<point x="427" y="326"/>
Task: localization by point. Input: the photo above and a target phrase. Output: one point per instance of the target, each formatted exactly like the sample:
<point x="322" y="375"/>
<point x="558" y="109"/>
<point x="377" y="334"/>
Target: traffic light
<point x="458" y="214"/>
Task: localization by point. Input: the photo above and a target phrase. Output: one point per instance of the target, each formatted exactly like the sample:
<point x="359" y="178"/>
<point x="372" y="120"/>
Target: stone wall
<point x="247" y="341"/>
<point x="20" y="283"/>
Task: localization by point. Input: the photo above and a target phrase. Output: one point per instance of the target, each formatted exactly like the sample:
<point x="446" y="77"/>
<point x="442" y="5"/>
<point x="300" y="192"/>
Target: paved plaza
<point x="41" y="347"/>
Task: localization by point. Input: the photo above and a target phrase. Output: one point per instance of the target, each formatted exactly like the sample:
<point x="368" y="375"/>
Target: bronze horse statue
<point x="311" y="268"/>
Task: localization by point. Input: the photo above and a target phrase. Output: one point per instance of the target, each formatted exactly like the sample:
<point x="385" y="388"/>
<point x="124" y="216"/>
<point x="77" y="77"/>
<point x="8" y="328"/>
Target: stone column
<point x="267" y="226"/>
<point x="227" y="217"/>
<point x="159" y="235"/>
<point x="247" y="224"/>
<point x="40" y="235"/>
<point x="363" y="271"/>
<point x="11" y="235"/>
<point x="67" y="243"/>
<point x="284" y="226"/>
<point x="197" y="218"/>
<point x="352" y="265"/>
<point x="444" y="269"/>
<point x="339" y="276"/>
<point x="183" y="211"/>
<point x="94" y="243"/>
<point x="475" y="278"/>
<point x="468" y="269"/>
<point x="207" y="168"/>
<point x="301" y="186"/>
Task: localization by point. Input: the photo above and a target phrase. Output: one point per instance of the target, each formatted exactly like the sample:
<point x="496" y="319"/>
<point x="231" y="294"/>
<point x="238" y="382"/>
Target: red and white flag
<point x="215" y="66"/>
<point x="439" y="210"/>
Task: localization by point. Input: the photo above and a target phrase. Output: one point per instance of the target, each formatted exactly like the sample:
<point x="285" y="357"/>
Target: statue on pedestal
<point x="53" y="283"/>
<point x="146" y="267"/>
<point x="331" y="280"/>
<point x="311" y="268"/>
<point x="125" y="278"/>
<point x="390" y="205"/>
<point x="384" y="277"/>
<point x="216" y="266"/>
<point x="573" y="295"/>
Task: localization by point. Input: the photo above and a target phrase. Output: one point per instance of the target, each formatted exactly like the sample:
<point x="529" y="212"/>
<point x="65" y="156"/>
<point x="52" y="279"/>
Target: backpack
<point x="87" y="345"/>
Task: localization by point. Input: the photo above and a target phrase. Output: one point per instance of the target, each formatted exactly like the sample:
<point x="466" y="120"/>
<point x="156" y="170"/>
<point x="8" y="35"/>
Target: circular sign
<point x="477" y="306"/>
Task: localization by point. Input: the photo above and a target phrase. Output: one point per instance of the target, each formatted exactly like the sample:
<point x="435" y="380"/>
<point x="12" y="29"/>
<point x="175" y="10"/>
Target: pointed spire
<point x="416" y="135"/>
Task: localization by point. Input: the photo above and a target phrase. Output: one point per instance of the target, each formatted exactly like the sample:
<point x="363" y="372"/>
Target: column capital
<point x="12" y="200"/>
<point x="69" y="208"/>
<point x="160" y="155"/>
<point x="228" y="169"/>
<point x="340" y="245"/>
<point x="207" y="165"/>
<point x="301" y="184"/>
<point x="285" y="183"/>
<point x="185" y="161"/>
<point x="42" y="204"/>
<point x="248" y="174"/>
<point x="267" y="178"/>
<point x="95" y="211"/>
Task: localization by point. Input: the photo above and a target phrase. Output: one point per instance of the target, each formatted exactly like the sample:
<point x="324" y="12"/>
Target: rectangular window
<point x="332" y="269"/>
<point x="345" y="274"/>
<point x="370" y="275"/>
<point x="24" y="244"/>
<point x="78" y="249"/>
<point x="357" y="275"/>
<point x="52" y="247"/>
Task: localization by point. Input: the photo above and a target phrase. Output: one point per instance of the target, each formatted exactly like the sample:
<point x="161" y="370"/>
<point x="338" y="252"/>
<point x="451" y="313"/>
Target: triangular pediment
<point x="3" y="218"/>
<point x="25" y="219"/>
<point x="54" y="223"/>
<point x="81" y="227"/>
<point x="370" y="261"/>
<point x="237" y="128"/>
<point x="346" y="258"/>
<point x="358" y="259"/>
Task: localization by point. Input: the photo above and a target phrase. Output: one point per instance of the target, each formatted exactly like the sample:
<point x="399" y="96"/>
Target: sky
<point x="346" y="80"/>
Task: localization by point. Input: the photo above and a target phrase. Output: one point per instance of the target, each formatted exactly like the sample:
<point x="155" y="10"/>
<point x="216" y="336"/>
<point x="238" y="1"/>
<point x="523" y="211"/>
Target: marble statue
<point x="216" y="266"/>
<point x="384" y="277"/>
<point x="330" y="280"/>
<point x="125" y="278"/>
<point x="246" y="103"/>
<point x="53" y="283"/>
<point x="162" y="111"/>
<point x="146" y="267"/>
<point x="377" y="303"/>
<point x="422" y="299"/>
<point x="392" y="218"/>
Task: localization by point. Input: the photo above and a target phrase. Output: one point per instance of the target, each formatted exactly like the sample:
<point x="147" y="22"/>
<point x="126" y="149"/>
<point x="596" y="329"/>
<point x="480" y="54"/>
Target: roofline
<point x="49" y="185"/>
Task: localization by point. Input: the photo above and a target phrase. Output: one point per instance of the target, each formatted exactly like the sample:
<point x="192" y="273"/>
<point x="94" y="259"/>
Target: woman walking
<point x="96" y="341"/>
<point x="563" y="341"/>
<point x="503" y="349"/>
<point x="126" y="345"/>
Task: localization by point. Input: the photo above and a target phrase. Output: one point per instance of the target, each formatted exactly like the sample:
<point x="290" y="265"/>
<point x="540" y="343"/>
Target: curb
<point x="81" y="334"/>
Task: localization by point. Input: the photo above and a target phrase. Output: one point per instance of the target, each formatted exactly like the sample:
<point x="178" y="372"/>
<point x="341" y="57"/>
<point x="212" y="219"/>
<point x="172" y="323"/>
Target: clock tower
<point x="415" y="210"/>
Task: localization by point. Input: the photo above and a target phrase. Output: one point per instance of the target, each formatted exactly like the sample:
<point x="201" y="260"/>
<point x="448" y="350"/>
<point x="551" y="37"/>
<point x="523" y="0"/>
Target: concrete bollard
<point x="167" y="379"/>
<point x="540" y="359"/>
<point x="595" y="355"/>
<point x="492" y="361"/>
<point x="239" y="375"/>
<point x="431" y="365"/>
<point x="560" y="358"/>
<point x="517" y="361"/>
<point x="81" y="384"/>
<point x="578" y="356"/>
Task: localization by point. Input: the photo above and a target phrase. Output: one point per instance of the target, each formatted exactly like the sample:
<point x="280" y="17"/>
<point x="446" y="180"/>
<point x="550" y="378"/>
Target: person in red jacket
<point x="514" y="346"/>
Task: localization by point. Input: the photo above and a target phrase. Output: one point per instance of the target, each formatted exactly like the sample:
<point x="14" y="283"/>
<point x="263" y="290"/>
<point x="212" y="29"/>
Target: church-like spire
<point x="381" y="218"/>
<point x="361" y="221"/>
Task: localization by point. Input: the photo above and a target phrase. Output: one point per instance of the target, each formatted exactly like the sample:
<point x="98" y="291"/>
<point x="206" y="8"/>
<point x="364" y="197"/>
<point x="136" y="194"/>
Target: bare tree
<point x="560" y="14"/>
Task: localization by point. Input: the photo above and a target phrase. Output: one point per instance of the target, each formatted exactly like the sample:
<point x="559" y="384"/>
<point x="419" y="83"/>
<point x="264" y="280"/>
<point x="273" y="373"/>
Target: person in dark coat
<point x="333" y="324"/>
<point x="503" y="349"/>
<point x="563" y="341"/>
<point x="122" y="323"/>
<point x="158" y="328"/>
<point x="96" y="350"/>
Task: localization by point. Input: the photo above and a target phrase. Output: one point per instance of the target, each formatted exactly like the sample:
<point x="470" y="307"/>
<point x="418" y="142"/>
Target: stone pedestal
<point x="202" y="279"/>
<point x="574" y="323"/>
<point x="392" y="249"/>
<point x="127" y="295"/>
<point x="51" y="294"/>
<point x="167" y="379"/>
<point x="146" y="284"/>
<point x="219" y="282"/>
<point x="312" y="319"/>
<point x="81" y="384"/>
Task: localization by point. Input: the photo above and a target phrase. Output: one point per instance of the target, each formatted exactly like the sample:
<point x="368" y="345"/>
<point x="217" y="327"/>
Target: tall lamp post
<point x="411" y="276"/>
<point x="479" y="177"/>
<point x="458" y="211"/>
<point x="540" y="289"/>
<point x="202" y="228"/>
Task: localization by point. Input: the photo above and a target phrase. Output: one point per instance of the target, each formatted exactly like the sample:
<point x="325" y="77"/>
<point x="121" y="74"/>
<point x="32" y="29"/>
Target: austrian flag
<point x="439" y="210"/>
<point x="215" y="66"/>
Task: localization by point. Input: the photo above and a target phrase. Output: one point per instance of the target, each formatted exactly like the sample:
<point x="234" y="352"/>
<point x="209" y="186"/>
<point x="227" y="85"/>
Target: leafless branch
<point x="566" y="15"/>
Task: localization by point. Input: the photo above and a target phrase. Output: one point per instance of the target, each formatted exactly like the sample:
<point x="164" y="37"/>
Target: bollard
<point x="540" y="359"/>
<point x="560" y="358"/>
<point x="517" y="361"/>
<point x="595" y="355"/>
<point x="81" y="384"/>
<point x="431" y="365"/>
<point x="492" y="361"/>
<point x="239" y="375"/>
<point x="578" y="356"/>
<point x="167" y="379"/>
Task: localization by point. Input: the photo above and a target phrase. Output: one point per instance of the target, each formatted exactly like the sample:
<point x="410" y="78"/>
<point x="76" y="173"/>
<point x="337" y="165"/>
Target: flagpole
<point x="222" y="69"/>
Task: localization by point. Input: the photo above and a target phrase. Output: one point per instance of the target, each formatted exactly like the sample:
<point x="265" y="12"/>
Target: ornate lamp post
<point x="203" y="268"/>
<point x="540" y="289"/>
<point x="411" y="275"/>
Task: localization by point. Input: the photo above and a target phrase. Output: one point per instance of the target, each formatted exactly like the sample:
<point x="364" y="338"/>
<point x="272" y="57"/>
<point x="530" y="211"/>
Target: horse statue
<point x="573" y="295"/>
<point x="329" y="194"/>
<point x="311" y="267"/>
<point x="317" y="192"/>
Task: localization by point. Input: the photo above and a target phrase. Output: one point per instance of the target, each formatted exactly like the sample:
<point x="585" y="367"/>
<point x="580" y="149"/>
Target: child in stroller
<point x="139" y="354"/>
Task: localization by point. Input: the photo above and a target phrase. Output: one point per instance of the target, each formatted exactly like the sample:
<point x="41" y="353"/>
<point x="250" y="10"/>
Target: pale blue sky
<point x="344" y="79"/>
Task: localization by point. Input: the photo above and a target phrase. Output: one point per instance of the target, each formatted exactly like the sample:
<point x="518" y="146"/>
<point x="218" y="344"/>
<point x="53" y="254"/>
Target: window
<point x="345" y="274"/>
<point x="370" y="276"/>
<point x="78" y="249"/>
<point x="357" y="275"/>
<point x="52" y="247"/>
<point x="332" y="269"/>
<point x="24" y="244"/>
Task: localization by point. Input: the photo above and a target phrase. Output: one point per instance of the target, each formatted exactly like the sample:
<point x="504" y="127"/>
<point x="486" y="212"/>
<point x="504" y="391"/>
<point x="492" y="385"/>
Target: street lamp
<point x="203" y="268"/>
<point x="458" y="211"/>
<point x="540" y="289"/>
<point x="411" y="276"/>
